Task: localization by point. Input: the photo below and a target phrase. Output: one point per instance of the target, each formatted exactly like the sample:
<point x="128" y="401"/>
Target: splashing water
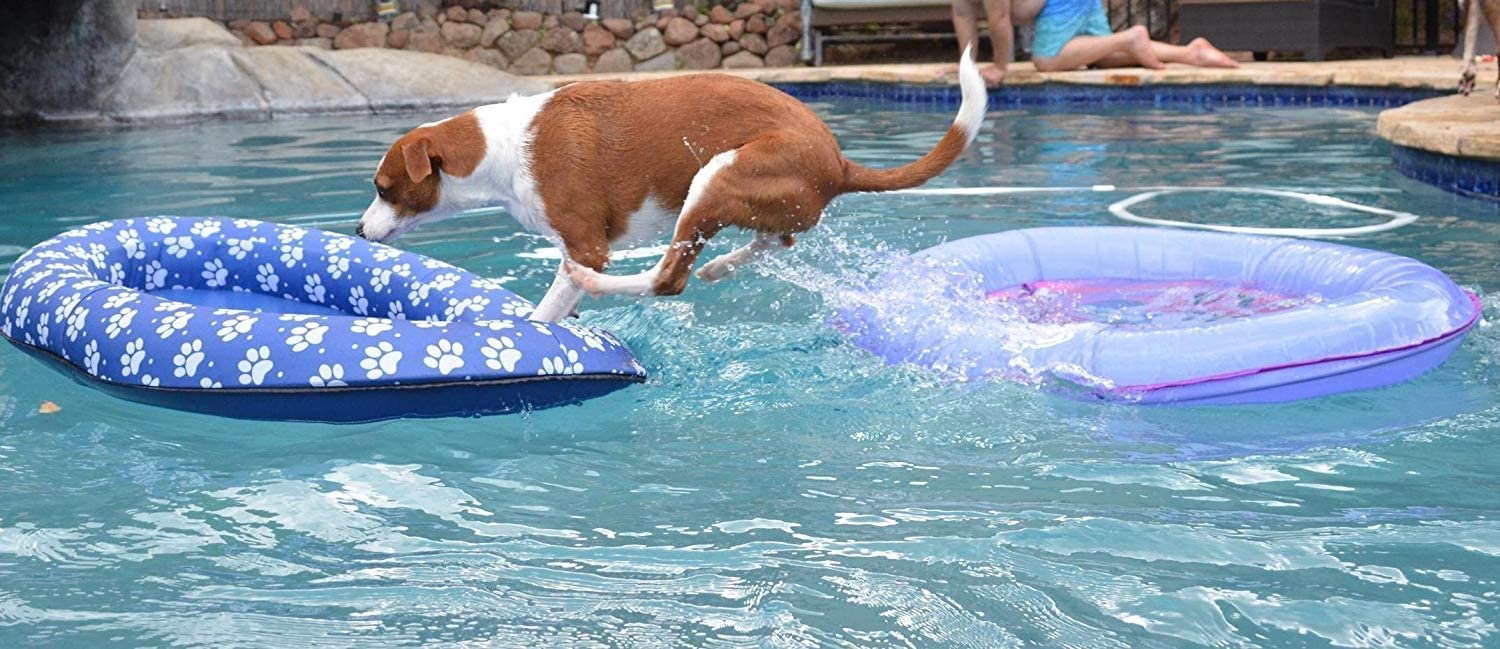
<point x="1136" y="304"/>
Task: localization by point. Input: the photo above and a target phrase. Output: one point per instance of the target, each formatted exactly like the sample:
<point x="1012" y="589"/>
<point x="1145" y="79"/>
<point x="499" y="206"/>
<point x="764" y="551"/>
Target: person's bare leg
<point x="1129" y="47"/>
<point x="966" y="26"/>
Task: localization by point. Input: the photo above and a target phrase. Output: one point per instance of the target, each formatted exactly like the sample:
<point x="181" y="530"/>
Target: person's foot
<point x="1141" y="50"/>
<point x="1204" y="54"/>
<point x="992" y="75"/>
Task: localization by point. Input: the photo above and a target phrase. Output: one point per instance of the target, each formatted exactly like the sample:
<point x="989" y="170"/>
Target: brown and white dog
<point x="595" y="165"/>
<point x="1489" y="10"/>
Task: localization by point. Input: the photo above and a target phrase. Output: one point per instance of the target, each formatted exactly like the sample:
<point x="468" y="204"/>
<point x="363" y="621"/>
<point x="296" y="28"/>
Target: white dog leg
<point x="762" y="246"/>
<point x="561" y="299"/>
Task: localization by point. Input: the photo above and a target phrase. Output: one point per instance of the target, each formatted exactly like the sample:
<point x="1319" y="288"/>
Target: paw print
<point x="395" y="311"/>
<point x="501" y="353"/>
<point x="336" y="245"/>
<point x="291" y="234"/>
<point x="329" y="376"/>
<point x="371" y="326"/>
<point x="444" y="356"/>
<point x="76" y="319"/>
<point x="265" y="275"/>
<point x="306" y="335"/>
<point x="379" y="279"/>
<point x="117" y="274"/>
<point x="457" y="308"/>
<point x="185" y="361"/>
<point x="566" y="364"/>
<point x="160" y="225"/>
<point x="209" y="384"/>
<point x="91" y="357"/>
<point x="206" y="228"/>
<point x="487" y="283"/>
<point x="130" y="361"/>
<point x="255" y="365"/>
<point x="314" y="289"/>
<point x="156" y="276"/>
<point x="387" y="253"/>
<point x="234" y="327"/>
<point x="380" y="360"/>
<point x="178" y="246"/>
<point x="290" y="255"/>
<point x="42" y="328"/>
<point x="516" y="309"/>
<point x="150" y="381"/>
<point x="337" y="266"/>
<point x="215" y="274"/>
<point x="118" y="300"/>
<point x="358" y="302"/>
<point x="131" y="242"/>
<point x="118" y="322"/>
<point x="173" y="323"/>
<point x="239" y="248"/>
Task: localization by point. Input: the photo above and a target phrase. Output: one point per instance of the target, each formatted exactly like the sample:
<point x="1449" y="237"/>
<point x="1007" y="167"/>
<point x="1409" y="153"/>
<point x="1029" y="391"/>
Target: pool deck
<point x="1401" y="72"/>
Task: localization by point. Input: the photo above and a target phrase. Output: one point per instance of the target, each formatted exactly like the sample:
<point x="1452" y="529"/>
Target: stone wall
<point x="757" y="33"/>
<point x="61" y="56"/>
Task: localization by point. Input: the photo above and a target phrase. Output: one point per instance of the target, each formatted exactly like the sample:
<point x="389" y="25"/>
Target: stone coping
<point x="1422" y="72"/>
<point x="1457" y="126"/>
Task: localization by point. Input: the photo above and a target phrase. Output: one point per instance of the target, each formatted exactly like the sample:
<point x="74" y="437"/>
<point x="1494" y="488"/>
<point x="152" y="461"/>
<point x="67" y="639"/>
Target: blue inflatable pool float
<point x="1164" y="316"/>
<point x="255" y="320"/>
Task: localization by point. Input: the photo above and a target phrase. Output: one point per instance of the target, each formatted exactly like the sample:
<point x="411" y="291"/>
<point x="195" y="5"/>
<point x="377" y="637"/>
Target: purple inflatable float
<point x="1164" y="316"/>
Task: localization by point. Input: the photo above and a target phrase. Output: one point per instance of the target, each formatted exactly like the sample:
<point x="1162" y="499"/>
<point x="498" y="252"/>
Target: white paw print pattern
<point x="91" y="357"/>
<point x="160" y="225"/>
<point x="206" y="228"/>
<point x="119" y="299"/>
<point x="328" y="376"/>
<point x="265" y="276"/>
<point x="174" y="322"/>
<point x="130" y="361"/>
<point x="500" y="353"/>
<point x="150" y="381"/>
<point x="337" y="266"/>
<point x="314" y="289"/>
<point x="77" y="318"/>
<point x="358" y="303"/>
<point x="516" y="309"/>
<point x="291" y="255"/>
<point x="379" y="279"/>
<point x="178" y="247"/>
<point x="239" y="248"/>
<point x="380" y="360"/>
<point x="444" y="356"/>
<point x="458" y="307"/>
<point x="565" y="364"/>
<point x="371" y="326"/>
<point x="43" y="327"/>
<point x="256" y="364"/>
<point x="209" y="384"/>
<point x="306" y="335"/>
<point x="185" y="362"/>
<point x="117" y="274"/>
<point x="119" y="321"/>
<point x="130" y="241"/>
<point x="235" y="327"/>
<point x="214" y="273"/>
<point x="156" y="275"/>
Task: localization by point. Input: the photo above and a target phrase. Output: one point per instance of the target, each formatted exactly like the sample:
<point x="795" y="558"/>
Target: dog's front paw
<point x="1466" y="83"/>
<point x="582" y="277"/>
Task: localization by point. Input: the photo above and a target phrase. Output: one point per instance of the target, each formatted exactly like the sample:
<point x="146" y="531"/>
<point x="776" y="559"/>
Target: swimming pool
<point x="771" y="484"/>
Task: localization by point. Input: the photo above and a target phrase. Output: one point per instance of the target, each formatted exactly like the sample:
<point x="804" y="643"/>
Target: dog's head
<point x="414" y="182"/>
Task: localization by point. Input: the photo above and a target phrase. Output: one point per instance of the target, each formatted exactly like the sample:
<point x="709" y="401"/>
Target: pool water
<point x="771" y="485"/>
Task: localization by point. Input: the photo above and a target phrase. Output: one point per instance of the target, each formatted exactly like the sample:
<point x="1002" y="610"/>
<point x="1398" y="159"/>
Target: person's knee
<point x="1138" y="32"/>
<point x="996" y="9"/>
<point x="1044" y="64"/>
<point x="966" y="9"/>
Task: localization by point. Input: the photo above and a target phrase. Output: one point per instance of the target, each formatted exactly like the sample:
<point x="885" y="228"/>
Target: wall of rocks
<point x="756" y="33"/>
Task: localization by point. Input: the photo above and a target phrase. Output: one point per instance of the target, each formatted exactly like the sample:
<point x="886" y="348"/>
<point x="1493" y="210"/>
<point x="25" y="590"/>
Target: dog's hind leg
<point x="763" y="245"/>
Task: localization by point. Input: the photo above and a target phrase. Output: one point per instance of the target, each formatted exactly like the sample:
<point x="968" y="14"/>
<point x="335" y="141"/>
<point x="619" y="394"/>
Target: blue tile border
<point x="1463" y="176"/>
<point x="1066" y="94"/>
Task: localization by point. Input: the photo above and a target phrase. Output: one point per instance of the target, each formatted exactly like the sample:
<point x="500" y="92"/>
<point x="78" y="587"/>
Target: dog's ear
<point x="418" y="159"/>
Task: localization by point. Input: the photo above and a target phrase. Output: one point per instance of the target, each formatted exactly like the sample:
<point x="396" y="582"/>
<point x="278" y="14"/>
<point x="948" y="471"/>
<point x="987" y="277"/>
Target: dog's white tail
<point x="859" y="178"/>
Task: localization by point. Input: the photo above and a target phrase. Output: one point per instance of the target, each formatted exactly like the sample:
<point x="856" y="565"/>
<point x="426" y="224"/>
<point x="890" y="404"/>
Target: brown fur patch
<point x="408" y="177"/>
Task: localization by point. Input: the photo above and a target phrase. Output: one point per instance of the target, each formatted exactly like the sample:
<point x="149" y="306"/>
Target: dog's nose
<point x="359" y="230"/>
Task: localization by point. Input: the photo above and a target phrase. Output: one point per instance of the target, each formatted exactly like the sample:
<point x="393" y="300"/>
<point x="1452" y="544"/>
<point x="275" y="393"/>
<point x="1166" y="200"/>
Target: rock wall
<point x="60" y="57"/>
<point x="755" y="34"/>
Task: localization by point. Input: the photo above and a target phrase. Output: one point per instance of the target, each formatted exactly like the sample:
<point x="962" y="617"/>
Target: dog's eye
<point x="380" y="191"/>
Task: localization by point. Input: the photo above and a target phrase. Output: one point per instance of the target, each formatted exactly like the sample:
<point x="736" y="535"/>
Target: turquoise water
<point x="771" y="485"/>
